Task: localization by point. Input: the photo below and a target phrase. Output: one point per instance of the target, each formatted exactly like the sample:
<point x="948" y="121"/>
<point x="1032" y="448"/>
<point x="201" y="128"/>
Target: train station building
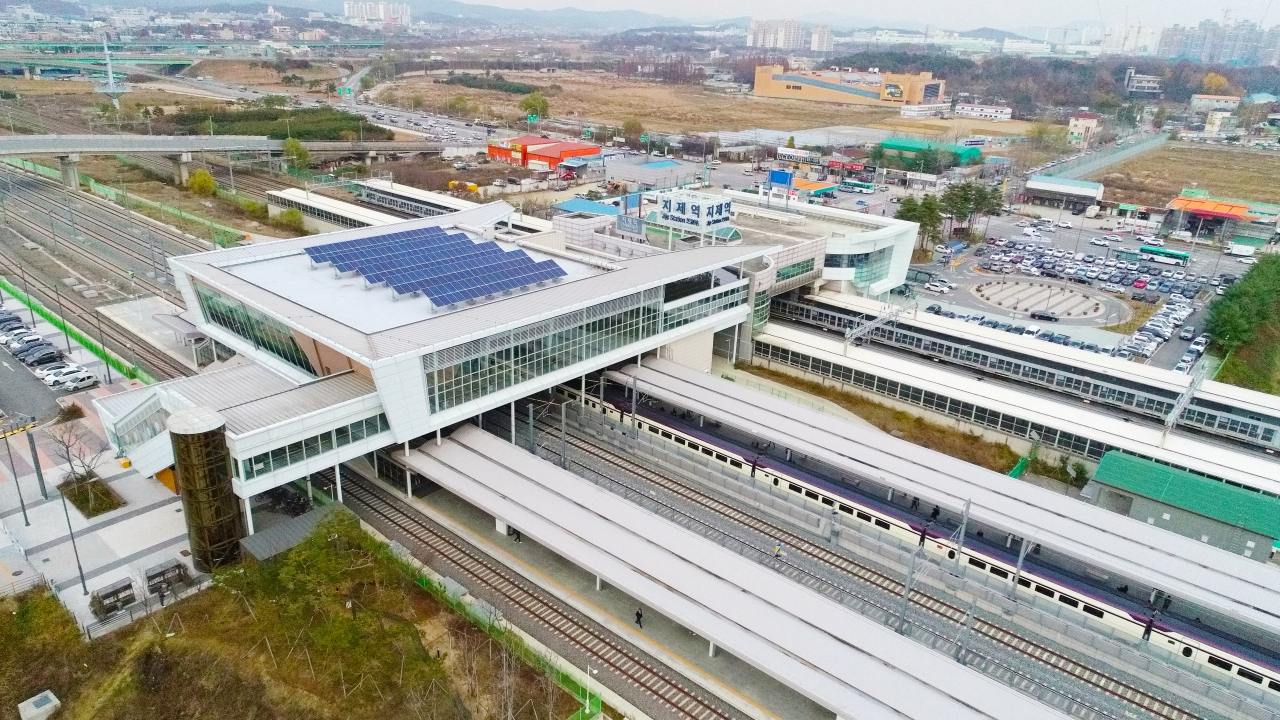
<point x="356" y="340"/>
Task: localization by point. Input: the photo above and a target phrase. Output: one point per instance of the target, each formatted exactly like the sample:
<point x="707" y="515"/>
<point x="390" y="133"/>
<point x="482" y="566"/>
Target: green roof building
<point x="1225" y="516"/>
<point x="908" y="147"/>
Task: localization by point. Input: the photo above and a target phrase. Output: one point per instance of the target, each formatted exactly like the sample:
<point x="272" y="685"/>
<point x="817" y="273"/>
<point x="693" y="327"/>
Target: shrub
<point x="202" y="183"/>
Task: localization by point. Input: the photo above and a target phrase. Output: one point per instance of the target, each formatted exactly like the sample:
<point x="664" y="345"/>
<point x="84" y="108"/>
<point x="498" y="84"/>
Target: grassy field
<point x="257" y="73"/>
<point x="1256" y="364"/>
<point x="279" y="641"/>
<point x="1156" y="177"/>
<point x="1141" y="313"/>
<point x="607" y="98"/>
<point x="947" y="440"/>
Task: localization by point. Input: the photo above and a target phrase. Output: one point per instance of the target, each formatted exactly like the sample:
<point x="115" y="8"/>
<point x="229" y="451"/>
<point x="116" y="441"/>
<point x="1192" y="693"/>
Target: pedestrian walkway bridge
<point x="13" y="145"/>
<point x="843" y="661"/>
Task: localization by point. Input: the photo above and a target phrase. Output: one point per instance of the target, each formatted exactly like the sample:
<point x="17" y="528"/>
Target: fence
<point x="1089" y="164"/>
<point x="124" y="368"/>
<point x="21" y="585"/>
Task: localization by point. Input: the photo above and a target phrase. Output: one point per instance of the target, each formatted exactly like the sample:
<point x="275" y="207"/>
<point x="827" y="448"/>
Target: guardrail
<point x="1090" y="164"/>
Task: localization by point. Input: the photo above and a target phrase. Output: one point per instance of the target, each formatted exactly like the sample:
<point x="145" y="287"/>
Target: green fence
<point x="1021" y="467"/>
<point x="127" y="369"/>
<point x="219" y="234"/>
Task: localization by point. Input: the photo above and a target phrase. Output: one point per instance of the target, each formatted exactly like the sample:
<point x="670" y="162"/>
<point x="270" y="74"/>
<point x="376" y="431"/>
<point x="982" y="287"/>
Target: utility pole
<point x="35" y="461"/>
<point x="14" y="470"/>
<point x="83" y="585"/>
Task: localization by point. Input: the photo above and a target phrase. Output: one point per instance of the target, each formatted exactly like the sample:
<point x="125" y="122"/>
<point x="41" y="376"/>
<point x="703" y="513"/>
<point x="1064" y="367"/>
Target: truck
<point x="1092" y="211"/>
<point x="1239" y="250"/>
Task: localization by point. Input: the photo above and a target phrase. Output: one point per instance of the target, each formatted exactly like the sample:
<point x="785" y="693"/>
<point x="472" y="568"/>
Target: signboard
<point x="838" y="165"/>
<point x="644" y="138"/>
<point x="797" y="155"/>
<point x="780" y="177"/>
<point x="696" y="211"/>
<point x="532" y="118"/>
<point x="630" y="224"/>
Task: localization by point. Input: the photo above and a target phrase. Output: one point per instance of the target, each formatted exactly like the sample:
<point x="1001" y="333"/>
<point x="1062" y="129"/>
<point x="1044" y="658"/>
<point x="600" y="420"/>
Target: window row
<point x="318" y="213"/>
<point x="293" y="453"/>
<point x="704" y="307"/>
<point x="458" y="376"/>
<point x="795" y="270"/>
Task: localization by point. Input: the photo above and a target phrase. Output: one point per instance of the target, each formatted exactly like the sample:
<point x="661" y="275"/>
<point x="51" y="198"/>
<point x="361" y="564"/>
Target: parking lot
<point x="1103" y="283"/>
<point x="21" y="392"/>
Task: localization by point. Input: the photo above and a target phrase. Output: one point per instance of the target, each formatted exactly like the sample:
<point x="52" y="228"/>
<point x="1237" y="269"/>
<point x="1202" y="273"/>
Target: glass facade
<point x="460" y="374"/>
<point x="868" y="267"/>
<point x="795" y="269"/>
<point x="760" y="313"/>
<point x="704" y="307"/>
<point x="283" y="457"/>
<point x="264" y="332"/>
<point x="139" y="426"/>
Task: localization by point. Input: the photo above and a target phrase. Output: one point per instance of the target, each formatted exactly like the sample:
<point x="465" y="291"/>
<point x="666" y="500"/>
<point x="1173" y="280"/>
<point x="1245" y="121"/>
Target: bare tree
<point x="80" y="449"/>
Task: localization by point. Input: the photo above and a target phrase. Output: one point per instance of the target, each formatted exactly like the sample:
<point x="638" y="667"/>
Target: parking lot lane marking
<point x="6" y="366"/>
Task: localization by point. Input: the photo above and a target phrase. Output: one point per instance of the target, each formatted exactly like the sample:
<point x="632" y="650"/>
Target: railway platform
<point x="842" y="662"/>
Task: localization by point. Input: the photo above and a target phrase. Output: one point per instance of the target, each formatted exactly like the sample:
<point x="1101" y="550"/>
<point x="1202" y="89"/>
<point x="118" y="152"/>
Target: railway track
<point x="98" y="230"/>
<point x="79" y="313"/>
<point x="534" y="603"/>
<point x="1125" y="692"/>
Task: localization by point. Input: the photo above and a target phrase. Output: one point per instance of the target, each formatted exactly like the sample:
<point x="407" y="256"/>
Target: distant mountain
<point x="567" y="18"/>
<point x="451" y="12"/>
<point x="986" y="33"/>
<point x="57" y="8"/>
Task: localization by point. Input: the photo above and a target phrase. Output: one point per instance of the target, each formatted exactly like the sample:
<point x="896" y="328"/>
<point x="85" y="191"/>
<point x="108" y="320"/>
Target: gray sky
<point x="962" y="15"/>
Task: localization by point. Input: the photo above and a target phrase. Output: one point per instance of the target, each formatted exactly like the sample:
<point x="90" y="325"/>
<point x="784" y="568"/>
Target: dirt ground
<point x="265" y="78"/>
<point x="1155" y="178"/>
<point x="138" y="182"/>
<point x="953" y="129"/>
<point x="607" y="98"/>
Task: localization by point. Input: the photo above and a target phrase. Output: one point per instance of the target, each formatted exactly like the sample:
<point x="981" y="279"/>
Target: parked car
<point x="79" y="382"/>
<point x="44" y="356"/>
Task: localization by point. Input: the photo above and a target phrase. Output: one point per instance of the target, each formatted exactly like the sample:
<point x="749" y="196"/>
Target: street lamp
<point x="587" y="706"/>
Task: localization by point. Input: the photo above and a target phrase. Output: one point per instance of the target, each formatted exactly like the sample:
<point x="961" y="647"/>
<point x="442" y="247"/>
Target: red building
<point x="536" y="152"/>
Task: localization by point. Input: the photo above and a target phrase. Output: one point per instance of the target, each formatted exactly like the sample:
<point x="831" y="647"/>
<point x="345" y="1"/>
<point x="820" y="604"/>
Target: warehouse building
<point x="538" y="153"/>
<point x="863" y="88"/>
<point x="907" y="148"/>
<point x="1063" y="193"/>
<point x="1219" y="514"/>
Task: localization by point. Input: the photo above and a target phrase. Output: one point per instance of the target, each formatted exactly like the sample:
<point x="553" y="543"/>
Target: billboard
<point x="695" y="211"/>
<point x="798" y="155"/>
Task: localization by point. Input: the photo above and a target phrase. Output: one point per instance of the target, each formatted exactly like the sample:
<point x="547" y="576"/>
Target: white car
<point x="1247" y="260"/>
<point x="45" y="370"/>
<point x="937" y="288"/>
<point x="1064" y="224"/>
<point x="54" y="376"/>
<point x="1154" y="242"/>
<point x="78" y="382"/>
<point x="1023" y="223"/>
<point x="64" y="381"/>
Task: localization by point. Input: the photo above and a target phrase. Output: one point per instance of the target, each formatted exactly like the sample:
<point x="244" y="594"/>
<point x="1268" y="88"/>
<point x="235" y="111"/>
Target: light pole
<point x="8" y="428"/>
<point x="587" y="706"/>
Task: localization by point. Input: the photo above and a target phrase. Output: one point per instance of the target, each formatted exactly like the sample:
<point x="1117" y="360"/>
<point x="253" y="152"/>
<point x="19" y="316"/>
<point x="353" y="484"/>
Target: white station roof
<point x="1234" y="586"/>
<point x="851" y="665"/>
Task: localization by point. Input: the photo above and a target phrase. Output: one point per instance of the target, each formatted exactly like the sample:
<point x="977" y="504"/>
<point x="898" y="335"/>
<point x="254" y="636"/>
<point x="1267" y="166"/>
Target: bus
<point x="1168" y="257"/>
<point x="851" y="185"/>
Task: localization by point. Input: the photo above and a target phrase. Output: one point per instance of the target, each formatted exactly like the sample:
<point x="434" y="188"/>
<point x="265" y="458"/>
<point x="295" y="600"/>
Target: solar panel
<point x="448" y="268"/>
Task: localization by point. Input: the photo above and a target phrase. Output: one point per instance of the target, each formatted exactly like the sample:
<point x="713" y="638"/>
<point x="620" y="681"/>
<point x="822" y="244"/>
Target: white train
<point x="1084" y="600"/>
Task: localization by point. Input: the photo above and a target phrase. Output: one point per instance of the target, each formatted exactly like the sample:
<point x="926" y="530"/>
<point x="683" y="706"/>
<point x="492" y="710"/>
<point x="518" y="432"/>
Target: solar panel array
<point x="447" y="268"/>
